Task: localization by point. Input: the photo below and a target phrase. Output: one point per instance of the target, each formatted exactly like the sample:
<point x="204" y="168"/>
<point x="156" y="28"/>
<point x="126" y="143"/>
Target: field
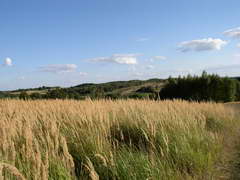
<point x="234" y="105"/>
<point x="123" y="139"/>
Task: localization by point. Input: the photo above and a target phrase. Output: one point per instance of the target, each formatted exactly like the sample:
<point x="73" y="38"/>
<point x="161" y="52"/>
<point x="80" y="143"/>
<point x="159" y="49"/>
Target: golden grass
<point x="234" y="105"/>
<point x="13" y="170"/>
<point x="43" y="139"/>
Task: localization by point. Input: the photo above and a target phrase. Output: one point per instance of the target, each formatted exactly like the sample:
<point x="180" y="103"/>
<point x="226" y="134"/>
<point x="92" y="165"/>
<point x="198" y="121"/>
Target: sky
<point x="70" y="42"/>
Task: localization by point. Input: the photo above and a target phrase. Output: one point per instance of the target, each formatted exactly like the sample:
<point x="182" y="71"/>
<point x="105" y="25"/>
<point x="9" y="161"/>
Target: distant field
<point x="119" y="88"/>
<point x="235" y="105"/>
<point x="29" y="92"/>
<point x="123" y="139"/>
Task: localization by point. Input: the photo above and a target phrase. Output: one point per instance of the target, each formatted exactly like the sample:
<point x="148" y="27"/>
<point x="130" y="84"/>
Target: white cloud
<point x="129" y="59"/>
<point x="59" y="68"/>
<point x="234" y="33"/>
<point x="238" y="45"/>
<point x="202" y="45"/>
<point x="7" y="62"/>
<point x="142" y="39"/>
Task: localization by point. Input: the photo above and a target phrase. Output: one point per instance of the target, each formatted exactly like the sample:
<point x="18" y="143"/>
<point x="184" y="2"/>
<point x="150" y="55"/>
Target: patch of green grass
<point x="58" y="171"/>
<point x="129" y="135"/>
<point x="214" y="125"/>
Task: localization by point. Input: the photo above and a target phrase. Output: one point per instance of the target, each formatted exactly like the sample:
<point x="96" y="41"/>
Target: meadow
<point x="121" y="139"/>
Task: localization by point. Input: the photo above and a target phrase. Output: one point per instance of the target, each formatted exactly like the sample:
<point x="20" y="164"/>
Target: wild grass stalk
<point x="104" y="139"/>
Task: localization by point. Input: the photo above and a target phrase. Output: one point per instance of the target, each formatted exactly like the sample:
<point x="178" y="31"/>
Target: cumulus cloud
<point x="7" y="62"/>
<point x="233" y="33"/>
<point x="58" y="68"/>
<point x="129" y="59"/>
<point x="202" y="45"/>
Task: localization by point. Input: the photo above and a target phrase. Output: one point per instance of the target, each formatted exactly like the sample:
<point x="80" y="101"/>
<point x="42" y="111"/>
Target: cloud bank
<point x="58" y="68"/>
<point x="202" y="45"/>
<point x="233" y="33"/>
<point x="129" y="59"/>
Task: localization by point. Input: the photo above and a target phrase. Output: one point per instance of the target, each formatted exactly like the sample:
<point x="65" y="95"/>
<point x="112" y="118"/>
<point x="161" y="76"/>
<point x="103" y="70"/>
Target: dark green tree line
<point x="202" y="88"/>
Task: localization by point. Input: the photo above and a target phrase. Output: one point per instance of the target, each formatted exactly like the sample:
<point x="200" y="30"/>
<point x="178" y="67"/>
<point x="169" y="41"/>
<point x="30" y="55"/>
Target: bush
<point x="24" y="96"/>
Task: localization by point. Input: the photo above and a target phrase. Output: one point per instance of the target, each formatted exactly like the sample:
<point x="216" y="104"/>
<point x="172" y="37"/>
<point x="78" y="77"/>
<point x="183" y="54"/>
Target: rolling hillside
<point x="109" y="89"/>
<point x="114" y="90"/>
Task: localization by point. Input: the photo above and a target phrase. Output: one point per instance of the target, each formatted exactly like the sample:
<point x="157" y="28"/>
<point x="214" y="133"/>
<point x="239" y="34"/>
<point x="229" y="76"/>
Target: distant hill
<point x="120" y="87"/>
<point x="110" y="89"/>
<point x="39" y="89"/>
<point x="117" y="89"/>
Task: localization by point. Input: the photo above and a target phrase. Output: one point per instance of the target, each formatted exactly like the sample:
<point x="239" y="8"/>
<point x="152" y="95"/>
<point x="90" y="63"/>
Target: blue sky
<point x="68" y="42"/>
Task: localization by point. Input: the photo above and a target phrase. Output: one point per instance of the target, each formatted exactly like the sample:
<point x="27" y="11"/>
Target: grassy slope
<point x="124" y="139"/>
<point x="133" y="89"/>
<point x="235" y="105"/>
<point x="29" y="92"/>
<point x="119" y="87"/>
<point x="128" y="87"/>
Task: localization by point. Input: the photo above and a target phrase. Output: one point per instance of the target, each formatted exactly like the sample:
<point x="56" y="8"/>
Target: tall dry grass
<point x="104" y="139"/>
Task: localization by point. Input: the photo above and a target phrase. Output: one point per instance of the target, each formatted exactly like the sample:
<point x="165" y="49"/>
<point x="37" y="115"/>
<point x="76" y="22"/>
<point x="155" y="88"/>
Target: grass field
<point x="124" y="139"/>
<point x="235" y="105"/>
